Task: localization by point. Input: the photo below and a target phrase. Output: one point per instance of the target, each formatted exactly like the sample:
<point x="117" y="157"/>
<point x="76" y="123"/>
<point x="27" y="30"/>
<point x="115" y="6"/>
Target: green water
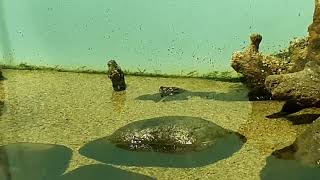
<point x="157" y="36"/>
<point x="31" y="161"/>
<point x="54" y="125"/>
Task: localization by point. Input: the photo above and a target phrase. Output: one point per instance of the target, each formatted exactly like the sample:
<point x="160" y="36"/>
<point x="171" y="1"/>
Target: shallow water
<point x="71" y="110"/>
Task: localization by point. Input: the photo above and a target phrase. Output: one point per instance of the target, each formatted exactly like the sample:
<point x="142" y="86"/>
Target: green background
<point x="167" y="36"/>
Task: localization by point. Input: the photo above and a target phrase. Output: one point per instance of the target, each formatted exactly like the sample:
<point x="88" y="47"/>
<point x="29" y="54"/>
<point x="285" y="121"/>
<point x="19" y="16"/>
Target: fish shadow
<point x="295" y="119"/>
<point x="235" y="95"/>
<point x="35" y="161"/>
<point x="104" y="151"/>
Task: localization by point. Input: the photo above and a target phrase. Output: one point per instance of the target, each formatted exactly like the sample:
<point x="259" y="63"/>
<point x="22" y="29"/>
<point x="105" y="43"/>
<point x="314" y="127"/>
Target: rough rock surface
<point x="1" y="76"/>
<point x="255" y="66"/>
<point x="302" y="88"/>
<point x="116" y="76"/>
<point x="295" y="55"/>
<point x="301" y="160"/>
<point x="299" y="89"/>
<point x="314" y="35"/>
<point x="171" y="134"/>
<point x="306" y="148"/>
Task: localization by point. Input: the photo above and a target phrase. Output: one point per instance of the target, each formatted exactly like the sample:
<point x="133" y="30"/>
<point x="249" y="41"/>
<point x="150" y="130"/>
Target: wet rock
<point x="306" y="148"/>
<point x="172" y="141"/>
<point x="169" y="91"/>
<point x="296" y="54"/>
<point x="255" y="67"/>
<point x="301" y="160"/>
<point x="116" y="76"/>
<point x="168" y="134"/>
<point x="1" y="76"/>
<point x="314" y="36"/>
<point x="300" y="89"/>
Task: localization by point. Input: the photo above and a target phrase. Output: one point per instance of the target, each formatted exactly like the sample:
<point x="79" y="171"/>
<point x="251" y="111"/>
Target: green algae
<point x="224" y="76"/>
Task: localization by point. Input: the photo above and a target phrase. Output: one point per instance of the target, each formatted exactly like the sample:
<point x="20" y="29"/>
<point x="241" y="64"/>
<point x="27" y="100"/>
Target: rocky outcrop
<point x="116" y="76"/>
<point x="291" y="75"/>
<point x="306" y="148"/>
<point x="301" y="89"/>
<point x="314" y="35"/>
<point x="301" y="160"/>
<point x="255" y="67"/>
<point x="1" y="76"/>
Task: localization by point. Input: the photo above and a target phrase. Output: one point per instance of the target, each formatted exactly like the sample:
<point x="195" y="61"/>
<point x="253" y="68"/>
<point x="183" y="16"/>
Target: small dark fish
<point x="169" y="91"/>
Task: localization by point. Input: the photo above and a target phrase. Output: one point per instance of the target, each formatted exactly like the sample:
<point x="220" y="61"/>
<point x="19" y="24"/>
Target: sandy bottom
<point x="72" y="109"/>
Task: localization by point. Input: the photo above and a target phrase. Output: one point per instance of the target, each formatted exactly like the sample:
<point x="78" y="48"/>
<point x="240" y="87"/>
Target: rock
<point x="170" y="141"/>
<point x="314" y="36"/>
<point x="1" y="76"/>
<point x="169" y="134"/>
<point x="170" y="91"/>
<point x="300" y="89"/>
<point x="301" y="160"/>
<point x="306" y="148"/>
<point x="116" y="75"/>
<point x="295" y="55"/>
<point x="255" y="67"/>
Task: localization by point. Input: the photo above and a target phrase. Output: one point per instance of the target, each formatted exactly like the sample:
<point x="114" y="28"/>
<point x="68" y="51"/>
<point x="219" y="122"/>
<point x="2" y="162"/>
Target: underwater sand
<point x="73" y="109"/>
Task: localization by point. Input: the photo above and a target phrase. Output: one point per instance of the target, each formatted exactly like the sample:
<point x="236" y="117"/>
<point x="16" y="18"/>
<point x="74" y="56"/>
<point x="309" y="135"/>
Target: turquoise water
<point x="157" y="36"/>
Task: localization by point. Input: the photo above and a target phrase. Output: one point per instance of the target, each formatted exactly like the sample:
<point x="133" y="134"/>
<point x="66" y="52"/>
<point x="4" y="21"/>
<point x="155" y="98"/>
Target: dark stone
<point x="300" y="89"/>
<point x="173" y="141"/>
<point x="116" y="76"/>
<point x="1" y="76"/>
<point x="2" y="107"/>
<point x="301" y="160"/>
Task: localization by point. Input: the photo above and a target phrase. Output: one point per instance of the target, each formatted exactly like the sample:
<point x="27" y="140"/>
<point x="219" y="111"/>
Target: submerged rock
<point x="116" y="76"/>
<point x="301" y="160"/>
<point x="300" y="89"/>
<point x="1" y="76"/>
<point x="306" y="148"/>
<point x="172" y="141"/>
<point x="168" y="134"/>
